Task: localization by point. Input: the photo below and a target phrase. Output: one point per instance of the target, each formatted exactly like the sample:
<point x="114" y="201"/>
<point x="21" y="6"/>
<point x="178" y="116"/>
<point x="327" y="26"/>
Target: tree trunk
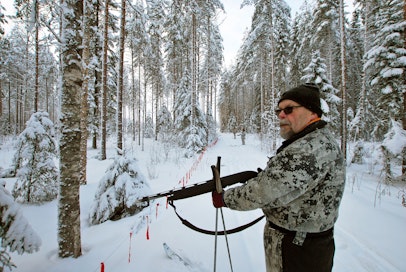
<point x="194" y="65"/>
<point x="103" y="155"/>
<point x="85" y="90"/>
<point x="1" y="98"/>
<point x="97" y="52"/>
<point x="139" y="99"/>
<point x="133" y="98"/>
<point x="36" y="84"/>
<point x="404" y="102"/>
<point x="120" y="86"/>
<point x="69" y="236"/>
<point x="343" y="83"/>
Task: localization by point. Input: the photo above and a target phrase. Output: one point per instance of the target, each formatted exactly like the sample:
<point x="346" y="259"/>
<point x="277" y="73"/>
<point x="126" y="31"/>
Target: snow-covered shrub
<point x="194" y="143"/>
<point x="232" y="125"/>
<point x="155" y="158"/>
<point x="165" y="130"/>
<point x="149" y="127"/>
<point x="34" y="161"/>
<point x="359" y="153"/>
<point x="393" y="148"/>
<point x="16" y="234"/>
<point x="118" y="191"/>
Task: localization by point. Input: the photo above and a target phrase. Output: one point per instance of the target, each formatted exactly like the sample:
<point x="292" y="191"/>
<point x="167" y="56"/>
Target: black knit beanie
<point x="307" y="95"/>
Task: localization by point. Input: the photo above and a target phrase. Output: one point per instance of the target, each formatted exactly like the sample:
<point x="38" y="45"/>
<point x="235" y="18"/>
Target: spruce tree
<point x="386" y="63"/>
<point x="316" y="72"/>
<point x="191" y="135"/>
<point x="34" y="161"/>
<point x="118" y="191"/>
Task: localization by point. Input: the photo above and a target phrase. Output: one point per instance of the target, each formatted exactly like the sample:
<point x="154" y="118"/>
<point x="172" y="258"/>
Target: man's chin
<point x="285" y="134"/>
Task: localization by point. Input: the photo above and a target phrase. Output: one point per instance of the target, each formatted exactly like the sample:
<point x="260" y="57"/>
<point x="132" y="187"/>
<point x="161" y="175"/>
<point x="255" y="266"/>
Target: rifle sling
<point x="209" y="232"/>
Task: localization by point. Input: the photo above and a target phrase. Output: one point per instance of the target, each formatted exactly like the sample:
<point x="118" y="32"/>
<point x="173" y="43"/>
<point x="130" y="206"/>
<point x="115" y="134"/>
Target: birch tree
<point x="69" y="234"/>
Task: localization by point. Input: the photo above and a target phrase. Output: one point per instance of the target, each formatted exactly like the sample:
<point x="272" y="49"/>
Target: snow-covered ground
<point x="370" y="233"/>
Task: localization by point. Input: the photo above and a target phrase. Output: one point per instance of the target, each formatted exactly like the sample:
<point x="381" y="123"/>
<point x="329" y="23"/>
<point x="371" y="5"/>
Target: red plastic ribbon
<point x="147" y="228"/>
<point x="156" y="213"/>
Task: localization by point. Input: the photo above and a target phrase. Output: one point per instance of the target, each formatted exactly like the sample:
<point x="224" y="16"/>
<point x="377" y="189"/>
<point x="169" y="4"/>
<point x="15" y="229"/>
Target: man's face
<point x="293" y="122"/>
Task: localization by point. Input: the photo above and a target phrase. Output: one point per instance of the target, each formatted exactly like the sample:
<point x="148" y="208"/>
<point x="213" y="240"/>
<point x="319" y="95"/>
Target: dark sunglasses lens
<point x="288" y="110"/>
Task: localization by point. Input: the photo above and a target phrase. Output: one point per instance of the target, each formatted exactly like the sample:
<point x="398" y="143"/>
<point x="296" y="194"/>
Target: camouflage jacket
<point x="302" y="185"/>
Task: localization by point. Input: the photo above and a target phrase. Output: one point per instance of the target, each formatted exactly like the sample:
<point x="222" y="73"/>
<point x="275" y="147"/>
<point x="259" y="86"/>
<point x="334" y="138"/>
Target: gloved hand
<point x="218" y="200"/>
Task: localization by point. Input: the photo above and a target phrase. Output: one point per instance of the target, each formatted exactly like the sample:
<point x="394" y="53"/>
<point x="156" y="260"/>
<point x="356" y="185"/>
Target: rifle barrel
<point x="202" y="187"/>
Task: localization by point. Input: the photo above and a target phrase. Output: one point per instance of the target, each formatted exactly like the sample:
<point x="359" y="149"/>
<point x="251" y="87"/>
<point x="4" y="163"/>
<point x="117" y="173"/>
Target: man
<point x="300" y="189"/>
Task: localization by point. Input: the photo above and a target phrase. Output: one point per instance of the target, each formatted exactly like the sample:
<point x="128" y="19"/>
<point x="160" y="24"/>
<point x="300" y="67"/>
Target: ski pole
<point x="219" y="189"/>
<point x="225" y="236"/>
<point x="215" y="241"/>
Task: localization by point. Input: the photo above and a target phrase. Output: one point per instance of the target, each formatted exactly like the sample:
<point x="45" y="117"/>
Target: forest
<point x="89" y="71"/>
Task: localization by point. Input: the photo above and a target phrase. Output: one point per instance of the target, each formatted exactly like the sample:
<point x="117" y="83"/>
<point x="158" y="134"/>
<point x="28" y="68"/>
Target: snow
<point x="395" y="139"/>
<point x="369" y="232"/>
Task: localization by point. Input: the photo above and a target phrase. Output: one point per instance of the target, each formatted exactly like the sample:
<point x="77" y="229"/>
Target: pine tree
<point x="175" y="45"/>
<point x="140" y="46"/>
<point x="120" y="84"/>
<point x="103" y="124"/>
<point x="156" y="14"/>
<point x="89" y="9"/>
<point x="326" y="37"/>
<point x="16" y="234"/>
<point x="118" y="191"/>
<point x="301" y="51"/>
<point x="37" y="174"/>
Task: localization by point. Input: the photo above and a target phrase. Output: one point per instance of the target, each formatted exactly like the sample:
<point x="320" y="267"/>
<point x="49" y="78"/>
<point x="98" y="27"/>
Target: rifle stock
<point x="202" y="187"/>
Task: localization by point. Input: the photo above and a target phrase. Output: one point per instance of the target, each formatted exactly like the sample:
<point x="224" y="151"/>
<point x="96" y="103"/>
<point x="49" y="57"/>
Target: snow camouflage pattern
<point x="299" y="190"/>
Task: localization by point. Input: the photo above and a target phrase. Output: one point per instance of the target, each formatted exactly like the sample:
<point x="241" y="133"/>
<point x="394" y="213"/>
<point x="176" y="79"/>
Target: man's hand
<point x="217" y="198"/>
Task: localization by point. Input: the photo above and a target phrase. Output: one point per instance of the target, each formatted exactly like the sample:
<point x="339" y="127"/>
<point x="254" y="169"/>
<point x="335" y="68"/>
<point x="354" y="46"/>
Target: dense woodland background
<point x="154" y="69"/>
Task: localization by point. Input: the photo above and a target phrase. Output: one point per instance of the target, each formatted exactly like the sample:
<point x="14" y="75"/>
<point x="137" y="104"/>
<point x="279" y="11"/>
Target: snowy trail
<point x="368" y="238"/>
<point x="366" y="257"/>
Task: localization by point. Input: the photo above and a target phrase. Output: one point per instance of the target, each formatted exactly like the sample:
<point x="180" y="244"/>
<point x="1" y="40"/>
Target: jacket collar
<point x="310" y="128"/>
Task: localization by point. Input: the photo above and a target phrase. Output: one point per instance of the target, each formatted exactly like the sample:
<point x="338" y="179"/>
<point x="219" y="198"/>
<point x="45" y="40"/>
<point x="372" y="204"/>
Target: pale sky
<point x="235" y="22"/>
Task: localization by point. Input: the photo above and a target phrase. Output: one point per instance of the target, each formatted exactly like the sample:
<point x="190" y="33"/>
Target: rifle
<point x="201" y="188"/>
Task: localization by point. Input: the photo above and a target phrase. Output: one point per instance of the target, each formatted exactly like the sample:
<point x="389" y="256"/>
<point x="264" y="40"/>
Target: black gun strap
<point x="209" y="232"/>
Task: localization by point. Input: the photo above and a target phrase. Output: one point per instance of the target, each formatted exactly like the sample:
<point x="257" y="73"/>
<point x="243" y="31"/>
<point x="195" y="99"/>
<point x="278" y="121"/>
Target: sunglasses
<point x="287" y="110"/>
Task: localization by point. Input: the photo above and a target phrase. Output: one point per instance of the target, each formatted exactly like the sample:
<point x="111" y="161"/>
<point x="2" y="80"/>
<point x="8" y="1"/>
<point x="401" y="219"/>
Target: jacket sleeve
<point x="288" y="175"/>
